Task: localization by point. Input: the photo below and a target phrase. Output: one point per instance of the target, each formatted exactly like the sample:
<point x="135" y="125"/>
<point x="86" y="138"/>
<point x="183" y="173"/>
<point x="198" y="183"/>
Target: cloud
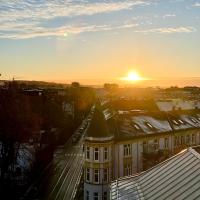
<point x="197" y="4"/>
<point x="169" y="15"/>
<point x="168" y="30"/>
<point x="62" y="31"/>
<point x="30" y="18"/>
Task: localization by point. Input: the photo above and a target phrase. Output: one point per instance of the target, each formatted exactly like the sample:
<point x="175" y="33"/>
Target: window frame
<point x="96" y="152"/>
<point x="96" y="172"/>
<point x="166" y="143"/>
<point x="106" y="154"/>
<point x="87" y="174"/>
<point x="127" y="150"/>
<point x="87" y="153"/>
<point x="96" y="196"/>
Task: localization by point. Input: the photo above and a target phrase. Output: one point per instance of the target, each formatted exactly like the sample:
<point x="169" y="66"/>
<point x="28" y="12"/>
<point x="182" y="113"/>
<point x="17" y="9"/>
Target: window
<point x="96" y="196"/>
<point x="155" y="144"/>
<point x="106" y="153"/>
<point x="105" y="175"/>
<point x="175" y="122"/>
<point x="182" y="140"/>
<point x="194" y="120"/>
<point x="88" y="153"/>
<point x="149" y="125"/>
<point x="193" y="139"/>
<point x="145" y="146"/>
<point x="175" y="141"/>
<point x="136" y="126"/>
<point x="166" y="143"/>
<point x="96" y="154"/>
<point x="87" y="174"/>
<point x="127" y="150"/>
<point x="87" y="195"/>
<point x="127" y="169"/>
<point x="187" y="139"/>
<point x="105" y="196"/>
<point x="96" y="175"/>
<point x="181" y="121"/>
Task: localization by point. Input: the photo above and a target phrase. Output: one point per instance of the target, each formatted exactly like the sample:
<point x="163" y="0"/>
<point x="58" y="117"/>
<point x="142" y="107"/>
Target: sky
<point x="96" y="41"/>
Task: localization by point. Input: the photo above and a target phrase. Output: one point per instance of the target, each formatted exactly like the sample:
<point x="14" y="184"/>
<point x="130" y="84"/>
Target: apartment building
<point x="125" y="143"/>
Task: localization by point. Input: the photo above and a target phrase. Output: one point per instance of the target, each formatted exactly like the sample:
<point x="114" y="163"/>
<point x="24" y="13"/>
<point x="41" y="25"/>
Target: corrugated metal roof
<point x="176" y="178"/>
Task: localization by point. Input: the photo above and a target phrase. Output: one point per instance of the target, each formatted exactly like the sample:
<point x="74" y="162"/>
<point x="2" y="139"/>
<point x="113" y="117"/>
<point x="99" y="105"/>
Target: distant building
<point x="177" y="104"/>
<point x="119" y="144"/>
<point x="176" y="178"/>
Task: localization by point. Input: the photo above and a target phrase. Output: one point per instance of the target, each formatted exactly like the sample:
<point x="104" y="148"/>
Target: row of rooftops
<point x="107" y="123"/>
<point x="158" y="122"/>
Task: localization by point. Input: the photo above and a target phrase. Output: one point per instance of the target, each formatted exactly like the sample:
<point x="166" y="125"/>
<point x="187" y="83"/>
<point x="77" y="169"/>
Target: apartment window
<point x="127" y="150"/>
<point x="193" y="139"/>
<point x="145" y="146"/>
<point x="96" y="154"/>
<point x="87" y="195"/>
<point x="182" y="140"/>
<point x="96" y="175"/>
<point x="88" y="153"/>
<point x="96" y="196"/>
<point x="155" y="144"/>
<point x="105" y="175"/>
<point x="87" y="174"/>
<point x="106" y="153"/>
<point x="175" y="141"/>
<point x="166" y="143"/>
<point x="187" y="139"/>
<point x="105" y="196"/>
<point x="127" y="169"/>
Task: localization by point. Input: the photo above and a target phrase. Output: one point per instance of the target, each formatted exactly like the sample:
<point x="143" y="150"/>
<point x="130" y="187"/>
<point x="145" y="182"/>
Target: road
<point x="61" y="178"/>
<point x="67" y="172"/>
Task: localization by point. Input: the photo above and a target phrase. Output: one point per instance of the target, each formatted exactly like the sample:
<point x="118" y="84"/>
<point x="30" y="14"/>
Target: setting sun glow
<point x="133" y="77"/>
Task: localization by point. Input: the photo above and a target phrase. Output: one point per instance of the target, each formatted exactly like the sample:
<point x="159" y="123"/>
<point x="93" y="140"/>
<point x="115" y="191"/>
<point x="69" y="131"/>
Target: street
<point x="59" y="181"/>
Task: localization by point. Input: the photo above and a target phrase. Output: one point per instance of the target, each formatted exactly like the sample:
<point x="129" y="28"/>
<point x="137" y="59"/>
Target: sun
<point x="133" y="77"/>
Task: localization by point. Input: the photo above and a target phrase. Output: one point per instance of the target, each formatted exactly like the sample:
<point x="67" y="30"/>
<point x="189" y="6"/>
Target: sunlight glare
<point x="132" y="76"/>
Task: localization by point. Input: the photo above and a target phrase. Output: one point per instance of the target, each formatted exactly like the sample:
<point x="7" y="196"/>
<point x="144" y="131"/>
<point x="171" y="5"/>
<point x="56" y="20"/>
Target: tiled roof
<point x="176" y="178"/>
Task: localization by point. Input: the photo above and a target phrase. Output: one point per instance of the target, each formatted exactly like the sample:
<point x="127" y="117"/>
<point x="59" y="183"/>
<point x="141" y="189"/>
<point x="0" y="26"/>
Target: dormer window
<point x="193" y="120"/>
<point x="181" y="121"/>
<point x="175" y="122"/>
<point x="149" y="125"/>
<point x="136" y="126"/>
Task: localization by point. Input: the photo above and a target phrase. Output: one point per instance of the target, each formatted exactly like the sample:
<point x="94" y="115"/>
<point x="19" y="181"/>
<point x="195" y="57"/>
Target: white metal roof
<point x="176" y="178"/>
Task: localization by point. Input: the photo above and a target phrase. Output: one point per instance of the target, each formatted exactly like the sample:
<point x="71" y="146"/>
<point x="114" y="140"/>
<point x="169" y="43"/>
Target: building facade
<point x="128" y="143"/>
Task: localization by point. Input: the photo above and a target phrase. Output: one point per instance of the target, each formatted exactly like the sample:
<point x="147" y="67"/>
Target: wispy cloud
<point x="168" y="30"/>
<point x="62" y="31"/>
<point x="169" y="15"/>
<point x="21" y="19"/>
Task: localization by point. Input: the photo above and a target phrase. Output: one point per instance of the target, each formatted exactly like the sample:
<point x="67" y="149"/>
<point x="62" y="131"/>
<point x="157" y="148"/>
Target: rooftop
<point x="176" y="178"/>
<point x="98" y="127"/>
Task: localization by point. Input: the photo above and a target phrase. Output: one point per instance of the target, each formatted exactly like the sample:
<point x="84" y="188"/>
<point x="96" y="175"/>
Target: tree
<point x="18" y="122"/>
<point x="75" y="84"/>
